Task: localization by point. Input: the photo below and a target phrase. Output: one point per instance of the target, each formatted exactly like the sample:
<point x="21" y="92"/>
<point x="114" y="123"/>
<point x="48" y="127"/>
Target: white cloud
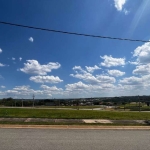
<point x="142" y="53"/>
<point x="95" y="84"/>
<point x="3" y="87"/>
<point x="31" y="39"/>
<point x="34" y="67"/>
<point x="78" y="68"/>
<point x="105" y="79"/>
<point x="51" y="90"/>
<point x="119" y="4"/>
<point x="116" y="73"/>
<point x="13" y="58"/>
<point x="131" y="81"/>
<point x="0" y="50"/>
<point x="109" y="61"/>
<point x="2" y="65"/>
<point x="2" y="93"/>
<point x="1" y="77"/>
<point x="135" y="84"/>
<point x="88" y="77"/>
<point x="142" y="81"/>
<point x="141" y="84"/>
<point x="126" y="12"/>
<point x="11" y="92"/>
<point x="27" y="92"/>
<point x="142" y="69"/>
<point x="77" y="86"/>
<point x="133" y="62"/>
<point x="92" y="69"/>
<point x="22" y="88"/>
<point x="45" y="79"/>
<point x="81" y="89"/>
<point x="23" y="91"/>
<point x="20" y="58"/>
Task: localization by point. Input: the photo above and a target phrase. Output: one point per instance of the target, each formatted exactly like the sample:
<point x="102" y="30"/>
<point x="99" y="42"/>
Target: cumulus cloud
<point x="92" y="69"/>
<point x="131" y="81"/>
<point x="3" y="87"/>
<point x="1" y="50"/>
<point x="86" y="77"/>
<point x="31" y="39"/>
<point x="91" y="79"/>
<point x="80" y="89"/>
<point x="51" y="90"/>
<point x="138" y="83"/>
<point x="34" y="67"/>
<point x="93" y="83"/>
<point x="13" y="58"/>
<point x="1" y="77"/>
<point x="89" y="69"/>
<point x="77" y="86"/>
<point x="119" y="4"/>
<point x="78" y="68"/>
<point x="20" y="58"/>
<point x="2" y="65"/>
<point x="25" y="91"/>
<point x="105" y="79"/>
<point x="45" y="79"/>
<point x="21" y="88"/>
<point x="142" y="69"/>
<point x="116" y="73"/>
<point x="126" y="12"/>
<point x="109" y="61"/>
<point x="133" y="62"/>
<point x="142" y="53"/>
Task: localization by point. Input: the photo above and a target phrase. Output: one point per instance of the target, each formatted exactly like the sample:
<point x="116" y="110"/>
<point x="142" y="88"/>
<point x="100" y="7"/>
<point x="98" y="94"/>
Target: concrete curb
<point x="74" y="127"/>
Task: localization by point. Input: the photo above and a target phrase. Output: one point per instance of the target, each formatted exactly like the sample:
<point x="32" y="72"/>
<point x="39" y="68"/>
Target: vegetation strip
<point x="71" y="114"/>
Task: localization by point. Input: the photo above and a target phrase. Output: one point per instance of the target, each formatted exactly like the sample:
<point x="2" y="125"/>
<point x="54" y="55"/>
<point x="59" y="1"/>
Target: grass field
<point x="72" y="114"/>
<point x="72" y="107"/>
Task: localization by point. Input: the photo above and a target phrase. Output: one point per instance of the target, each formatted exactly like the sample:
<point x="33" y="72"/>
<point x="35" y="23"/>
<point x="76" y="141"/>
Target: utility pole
<point x="124" y="105"/>
<point x="33" y="100"/>
<point x="22" y="102"/>
<point x="139" y="104"/>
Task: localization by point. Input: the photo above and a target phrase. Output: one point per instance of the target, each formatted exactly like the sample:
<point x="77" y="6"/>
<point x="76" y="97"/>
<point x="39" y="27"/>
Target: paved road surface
<point x="59" y="139"/>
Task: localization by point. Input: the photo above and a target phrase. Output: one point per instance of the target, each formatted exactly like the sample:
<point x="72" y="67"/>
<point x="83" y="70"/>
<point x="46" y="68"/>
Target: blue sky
<point x="54" y="65"/>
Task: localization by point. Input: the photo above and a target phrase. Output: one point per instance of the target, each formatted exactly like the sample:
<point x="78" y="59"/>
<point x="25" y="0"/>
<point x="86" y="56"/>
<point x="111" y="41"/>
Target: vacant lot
<point x="72" y="114"/>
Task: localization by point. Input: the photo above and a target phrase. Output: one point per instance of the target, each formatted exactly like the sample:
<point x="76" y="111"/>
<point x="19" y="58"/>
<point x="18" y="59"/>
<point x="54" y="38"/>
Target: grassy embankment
<point x="135" y="107"/>
<point x="72" y="114"/>
<point x="71" y="107"/>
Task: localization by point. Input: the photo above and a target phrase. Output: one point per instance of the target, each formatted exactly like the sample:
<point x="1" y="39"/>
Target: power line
<point x="73" y="33"/>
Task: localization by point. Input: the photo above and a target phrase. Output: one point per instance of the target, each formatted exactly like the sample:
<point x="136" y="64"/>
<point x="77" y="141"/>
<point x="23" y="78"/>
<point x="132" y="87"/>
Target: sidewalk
<point x="77" y="121"/>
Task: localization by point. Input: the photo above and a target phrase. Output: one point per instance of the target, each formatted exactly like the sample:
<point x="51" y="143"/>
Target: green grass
<point x="72" y="114"/>
<point x="136" y="108"/>
<point x="72" y="107"/>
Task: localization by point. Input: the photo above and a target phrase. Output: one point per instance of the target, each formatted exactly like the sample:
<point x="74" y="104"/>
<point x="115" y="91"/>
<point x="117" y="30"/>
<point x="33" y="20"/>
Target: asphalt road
<point x="59" y="139"/>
